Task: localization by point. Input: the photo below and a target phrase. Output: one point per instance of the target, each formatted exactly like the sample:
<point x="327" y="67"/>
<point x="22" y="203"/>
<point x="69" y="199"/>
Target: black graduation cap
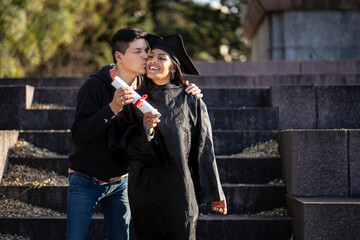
<point x="174" y="45"/>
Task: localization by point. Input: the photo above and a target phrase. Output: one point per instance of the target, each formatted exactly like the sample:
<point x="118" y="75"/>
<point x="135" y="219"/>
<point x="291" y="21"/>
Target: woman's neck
<point x="161" y="81"/>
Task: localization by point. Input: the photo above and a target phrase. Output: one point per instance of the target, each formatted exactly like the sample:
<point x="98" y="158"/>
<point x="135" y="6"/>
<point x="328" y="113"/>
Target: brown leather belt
<point x="110" y="180"/>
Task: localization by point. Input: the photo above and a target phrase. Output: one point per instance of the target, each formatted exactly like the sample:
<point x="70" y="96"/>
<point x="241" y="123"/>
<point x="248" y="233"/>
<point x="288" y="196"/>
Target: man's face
<point x="134" y="59"/>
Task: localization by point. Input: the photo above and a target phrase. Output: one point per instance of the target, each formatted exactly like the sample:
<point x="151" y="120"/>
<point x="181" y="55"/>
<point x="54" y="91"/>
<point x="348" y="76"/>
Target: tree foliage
<point x="71" y="37"/>
<point x="32" y="31"/>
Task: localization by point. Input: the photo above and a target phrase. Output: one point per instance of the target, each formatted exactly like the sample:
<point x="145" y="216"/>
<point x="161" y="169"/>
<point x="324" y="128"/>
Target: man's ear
<point x="118" y="56"/>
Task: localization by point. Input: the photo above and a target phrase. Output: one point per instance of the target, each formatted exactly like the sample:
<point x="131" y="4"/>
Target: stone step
<point x="244" y="118"/>
<point x="248" y="170"/>
<point x="241" y="198"/>
<point x="237" y="227"/>
<point x="61" y="95"/>
<point x="335" y="218"/>
<point x="223" y="80"/>
<point x="277" y="67"/>
<point x="225" y="141"/>
<point x="213" y="97"/>
<point x="52" y="119"/>
<point x="231" y="169"/>
<point x="58" y="141"/>
<point x="45" y="81"/>
<point x="221" y="119"/>
<point x="313" y="79"/>
<point x="235" y="141"/>
<point x="57" y="164"/>
<point x="209" y="227"/>
<point x="236" y="97"/>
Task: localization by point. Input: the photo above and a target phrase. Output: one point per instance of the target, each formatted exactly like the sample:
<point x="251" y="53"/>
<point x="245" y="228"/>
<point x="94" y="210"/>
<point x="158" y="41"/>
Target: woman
<point x="172" y="160"/>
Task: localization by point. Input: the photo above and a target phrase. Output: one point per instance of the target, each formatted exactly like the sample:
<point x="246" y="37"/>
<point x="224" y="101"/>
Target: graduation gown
<point x="170" y="174"/>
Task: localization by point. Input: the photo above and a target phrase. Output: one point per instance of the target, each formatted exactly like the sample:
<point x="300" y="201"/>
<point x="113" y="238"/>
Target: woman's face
<point x="159" y="66"/>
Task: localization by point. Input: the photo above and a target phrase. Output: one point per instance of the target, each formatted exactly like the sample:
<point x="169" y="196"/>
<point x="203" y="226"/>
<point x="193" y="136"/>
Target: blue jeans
<point x="83" y="195"/>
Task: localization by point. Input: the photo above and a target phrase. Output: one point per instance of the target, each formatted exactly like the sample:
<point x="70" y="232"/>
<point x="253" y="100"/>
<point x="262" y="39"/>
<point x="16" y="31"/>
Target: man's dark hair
<point x="123" y="37"/>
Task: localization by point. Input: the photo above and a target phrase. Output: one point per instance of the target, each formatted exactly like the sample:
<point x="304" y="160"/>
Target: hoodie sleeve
<point x="92" y="117"/>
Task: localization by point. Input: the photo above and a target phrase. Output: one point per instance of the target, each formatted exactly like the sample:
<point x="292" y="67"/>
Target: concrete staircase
<point x="244" y="109"/>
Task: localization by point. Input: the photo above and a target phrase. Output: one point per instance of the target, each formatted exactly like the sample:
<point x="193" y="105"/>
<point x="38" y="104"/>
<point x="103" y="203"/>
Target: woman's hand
<point x="150" y="121"/>
<point x="219" y="207"/>
<point x="122" y="96"/>
<point x="193" y="89"/>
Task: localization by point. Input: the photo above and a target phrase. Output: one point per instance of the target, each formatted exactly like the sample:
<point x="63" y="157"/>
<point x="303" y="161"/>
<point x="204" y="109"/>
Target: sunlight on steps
<point x="262" y="149"/>
<point x="21" y="175"/>
<point x="23" y="148"/>
<point x="12" y="237"/>
<point x="15" y="208"/>
<point x="36" y="105"/>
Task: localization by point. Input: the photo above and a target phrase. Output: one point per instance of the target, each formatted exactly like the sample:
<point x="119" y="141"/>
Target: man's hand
<point x="219" y="207"/>
<point x="122" y="96"/>
<point x="193" y="89"/>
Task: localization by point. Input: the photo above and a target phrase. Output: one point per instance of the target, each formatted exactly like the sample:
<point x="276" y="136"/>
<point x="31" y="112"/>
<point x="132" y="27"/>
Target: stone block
<point x="7" y="140"/>
<point x="354" y="162"/>
<point x="314" y="162"/>
<point x="13" y="100"/>
<point x="297" y="106"/>
<point x="325" y="218"/>
<point x="338" y="107"/>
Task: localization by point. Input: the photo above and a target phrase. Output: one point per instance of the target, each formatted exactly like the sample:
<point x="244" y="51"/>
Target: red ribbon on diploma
<point x="139" y="101"/>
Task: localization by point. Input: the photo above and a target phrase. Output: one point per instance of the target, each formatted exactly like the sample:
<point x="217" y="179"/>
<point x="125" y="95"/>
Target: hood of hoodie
<point x="104" y="75"/>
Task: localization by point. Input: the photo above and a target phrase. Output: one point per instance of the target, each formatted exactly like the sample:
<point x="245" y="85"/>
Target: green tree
<point x="63" y="37"/>
<point x="91" y="49"/>
<point x="32" y="31"/>
<point x="210" y="32"/>
<point x="71" y="37"/>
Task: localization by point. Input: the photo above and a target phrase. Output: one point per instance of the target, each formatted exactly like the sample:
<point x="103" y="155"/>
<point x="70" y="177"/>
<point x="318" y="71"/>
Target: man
<point x="95" y="173"/>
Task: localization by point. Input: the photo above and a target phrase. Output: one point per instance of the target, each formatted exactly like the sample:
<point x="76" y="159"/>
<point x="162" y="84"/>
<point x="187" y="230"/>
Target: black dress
<point x="173" y="172"/>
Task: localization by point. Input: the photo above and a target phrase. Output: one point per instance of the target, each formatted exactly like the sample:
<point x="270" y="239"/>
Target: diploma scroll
<point x="139" y="101"/>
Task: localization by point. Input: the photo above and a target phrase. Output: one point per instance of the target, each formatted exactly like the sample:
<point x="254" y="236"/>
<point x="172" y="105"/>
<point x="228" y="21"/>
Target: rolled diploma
<point x="146" y="107"/>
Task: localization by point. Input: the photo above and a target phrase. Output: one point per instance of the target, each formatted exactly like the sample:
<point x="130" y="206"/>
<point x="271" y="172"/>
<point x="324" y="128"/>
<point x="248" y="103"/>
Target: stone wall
<point x="321" y="173"/>
<point x="317" y="107"/>
<point x="302" y="30"/>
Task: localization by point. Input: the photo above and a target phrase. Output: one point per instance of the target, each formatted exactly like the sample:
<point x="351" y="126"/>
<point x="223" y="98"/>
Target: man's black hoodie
<point x="90" y="130"/>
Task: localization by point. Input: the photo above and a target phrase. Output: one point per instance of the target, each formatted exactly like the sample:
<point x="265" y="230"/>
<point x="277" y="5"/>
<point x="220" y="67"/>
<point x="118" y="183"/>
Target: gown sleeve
<point x="128" y="136"/>
<point x="202" y="159"/>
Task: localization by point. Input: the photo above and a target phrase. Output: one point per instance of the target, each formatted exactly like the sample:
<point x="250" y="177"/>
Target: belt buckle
<point x="114" y="179"/>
